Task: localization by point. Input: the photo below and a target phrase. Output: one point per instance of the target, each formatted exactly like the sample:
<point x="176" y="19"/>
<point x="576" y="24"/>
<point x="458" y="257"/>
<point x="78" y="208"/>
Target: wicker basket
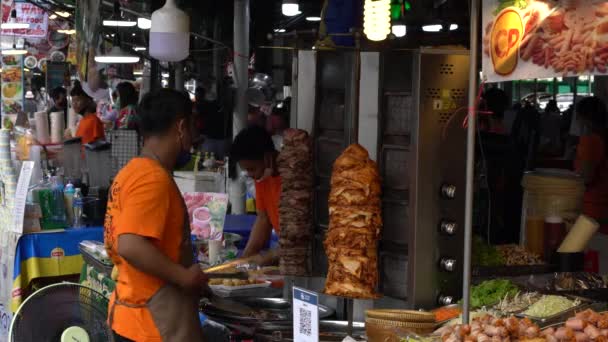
<point x="407" y="316"/>
<point x="382" y="330"/>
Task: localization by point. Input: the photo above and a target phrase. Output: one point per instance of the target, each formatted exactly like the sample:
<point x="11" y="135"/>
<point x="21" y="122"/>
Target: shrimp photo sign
<point x="525" y="39"/>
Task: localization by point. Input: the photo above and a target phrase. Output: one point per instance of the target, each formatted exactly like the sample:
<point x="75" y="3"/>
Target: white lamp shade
<point x="117" y="56"/>
<point x="170" y="33"/>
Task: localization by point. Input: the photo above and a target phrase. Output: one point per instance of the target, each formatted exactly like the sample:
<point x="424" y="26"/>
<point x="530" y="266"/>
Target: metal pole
<point x="241" y="75"/>
<point x="468" y="218"/>
<point x="179" y="76"/>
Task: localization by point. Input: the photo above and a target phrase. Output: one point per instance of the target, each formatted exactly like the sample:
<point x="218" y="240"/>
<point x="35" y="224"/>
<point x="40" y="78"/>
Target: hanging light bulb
<point x="377" y="19"/>
<point x="170" y="33"/>
<point x="399" y="29"/>
<point x="144" y="23"/>
<point x="290" y="8"/>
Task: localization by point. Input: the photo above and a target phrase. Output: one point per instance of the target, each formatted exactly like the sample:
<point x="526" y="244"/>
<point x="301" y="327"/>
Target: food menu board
<point x="524" y="39"/>
<point x="12" y="85"/>
<point x="207" y="214"/>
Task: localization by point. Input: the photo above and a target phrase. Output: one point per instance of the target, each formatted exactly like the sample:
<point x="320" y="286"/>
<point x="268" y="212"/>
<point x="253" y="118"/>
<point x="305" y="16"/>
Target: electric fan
<point x="60" y="313"/>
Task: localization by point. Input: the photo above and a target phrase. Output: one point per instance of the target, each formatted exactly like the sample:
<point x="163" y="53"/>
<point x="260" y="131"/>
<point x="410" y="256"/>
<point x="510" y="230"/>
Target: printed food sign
<point x="30" y="14"/>
<point x="526" y="39"/>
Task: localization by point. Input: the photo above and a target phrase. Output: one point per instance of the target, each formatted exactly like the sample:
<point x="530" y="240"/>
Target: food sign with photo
<point x="207" y="214"/>
<point x="30" y="14"/>
<point x="525" y="39"/>
<point x="12" y="85"/>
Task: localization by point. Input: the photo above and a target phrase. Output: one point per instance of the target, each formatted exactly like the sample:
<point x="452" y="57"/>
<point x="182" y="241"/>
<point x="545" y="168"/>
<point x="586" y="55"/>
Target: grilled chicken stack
<point x="295" y="217"/>
<point x="355" y="221"/>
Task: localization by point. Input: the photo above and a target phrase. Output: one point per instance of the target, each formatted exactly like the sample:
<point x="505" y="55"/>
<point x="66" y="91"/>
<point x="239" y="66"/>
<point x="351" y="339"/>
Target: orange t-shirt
<point x="90" y="129"/>
<point x="592" y="148"/>
<point x="267" y="194"/>
<point x="144" y="201"/>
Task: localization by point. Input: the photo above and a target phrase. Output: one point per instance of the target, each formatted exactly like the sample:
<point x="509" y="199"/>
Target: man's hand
<point x="193" y="279"/>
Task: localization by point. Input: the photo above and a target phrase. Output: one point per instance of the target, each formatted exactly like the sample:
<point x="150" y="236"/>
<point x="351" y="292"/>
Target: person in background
<point x="127" y="102"/>
<point x="550" y="141"/>
<point x="60" y="103"/>
<point x="214" y="124"/>
<point x="254" y="150"/>
<point x="90" y="127"/>
<point x="592" y="158"/>
<point x="495" y="101"/>
<point x="147" y="232"/>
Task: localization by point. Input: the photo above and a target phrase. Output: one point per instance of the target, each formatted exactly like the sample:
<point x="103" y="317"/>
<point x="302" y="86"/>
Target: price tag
<point x="305" y="316"/>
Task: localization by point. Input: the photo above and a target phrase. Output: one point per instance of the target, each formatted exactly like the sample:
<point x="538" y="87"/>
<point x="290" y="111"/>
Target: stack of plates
<point x="385" y="325"/>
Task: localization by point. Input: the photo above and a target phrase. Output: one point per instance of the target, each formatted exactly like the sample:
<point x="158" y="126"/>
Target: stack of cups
<point x="57" y="127"/>
<point x="42" y="127"/>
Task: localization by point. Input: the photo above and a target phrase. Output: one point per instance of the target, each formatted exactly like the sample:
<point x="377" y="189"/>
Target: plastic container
<point x="550" y="193"/>
<point x="77" y="209"/>
<point x="555" y="232"/>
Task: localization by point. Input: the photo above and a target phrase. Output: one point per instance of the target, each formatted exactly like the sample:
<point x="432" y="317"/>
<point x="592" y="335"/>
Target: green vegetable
<point x="491" y="292"/>
<point x="485" y="255"/>
<point x="548" y="306"/>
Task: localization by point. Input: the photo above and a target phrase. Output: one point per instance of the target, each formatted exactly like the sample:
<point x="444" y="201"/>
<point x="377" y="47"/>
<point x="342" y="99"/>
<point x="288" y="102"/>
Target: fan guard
<point x="62" y="308"/>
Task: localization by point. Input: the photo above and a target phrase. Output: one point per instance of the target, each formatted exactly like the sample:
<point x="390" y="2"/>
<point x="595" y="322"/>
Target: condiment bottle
<point x="555" y="231"/>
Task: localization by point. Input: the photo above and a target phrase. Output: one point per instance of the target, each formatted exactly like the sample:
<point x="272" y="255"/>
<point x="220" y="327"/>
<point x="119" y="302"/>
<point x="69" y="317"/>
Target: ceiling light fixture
<point x="117" y="56"/>
<point x="138" y="73"/>
<point x="67" y="31"/>
<point x="279" y="30"/>
<point x="14" y="51"/>
<point x="144" y="23"/>
<point x="290" y="8"/>
<point x="53" y="16"/>
<point x="63" y="14"/>
<point x="432" y="28"/>
<point x="377" y="19"/>
<point x="117" y="20"/>
<point x="12" y="23"/>
<point x="399" y="29"/>
<point x="453" y="27"/>
<point x="313" y="18"/>
<point x="170" y="33"/>
<point x="140" y="48"/>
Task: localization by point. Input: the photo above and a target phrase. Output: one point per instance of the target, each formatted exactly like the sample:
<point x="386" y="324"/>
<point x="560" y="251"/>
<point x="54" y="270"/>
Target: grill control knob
<point x="448" y="227"/>
<point x="448" y="264"/>
<point x="448" y="191"/>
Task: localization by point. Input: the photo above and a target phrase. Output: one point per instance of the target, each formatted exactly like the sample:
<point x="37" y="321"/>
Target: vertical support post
<point x="468" y="218"/>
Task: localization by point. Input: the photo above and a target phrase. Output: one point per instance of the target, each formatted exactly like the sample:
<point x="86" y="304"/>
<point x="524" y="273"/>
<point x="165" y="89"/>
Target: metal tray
<point x="559" y="317"/>
<point x="511" y="271"/>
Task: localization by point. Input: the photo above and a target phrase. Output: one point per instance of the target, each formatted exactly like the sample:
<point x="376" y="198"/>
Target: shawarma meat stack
<point x="295" y="206"/>
<point x="355" y="222"/>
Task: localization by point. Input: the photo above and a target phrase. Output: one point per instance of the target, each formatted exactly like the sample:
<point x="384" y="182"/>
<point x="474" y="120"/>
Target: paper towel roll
<point x="577" y="239"/>
<point x="42" y="127"/>
<point x="57" y="127"/>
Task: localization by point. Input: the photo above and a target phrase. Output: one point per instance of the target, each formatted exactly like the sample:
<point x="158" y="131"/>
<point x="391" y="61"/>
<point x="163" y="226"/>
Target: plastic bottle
<point x="58" y="201"/>
<point x="68" y="198"/>
<point x="77" y="209"/>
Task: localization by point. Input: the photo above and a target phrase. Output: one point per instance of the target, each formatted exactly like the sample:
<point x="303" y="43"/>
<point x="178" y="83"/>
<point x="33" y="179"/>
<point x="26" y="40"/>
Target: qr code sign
<point x="305" y="322"/>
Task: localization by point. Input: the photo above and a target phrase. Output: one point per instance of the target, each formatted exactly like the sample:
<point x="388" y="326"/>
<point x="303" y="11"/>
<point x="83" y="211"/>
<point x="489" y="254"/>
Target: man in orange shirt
<point x="147" y="234"/>
<point x="254" y="150"/>
<point x="90" y="128"/>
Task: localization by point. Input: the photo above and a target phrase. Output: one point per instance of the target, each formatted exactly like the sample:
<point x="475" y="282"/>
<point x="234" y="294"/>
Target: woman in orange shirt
<point x="90" y="128"/>
<point x="592" y="158"/>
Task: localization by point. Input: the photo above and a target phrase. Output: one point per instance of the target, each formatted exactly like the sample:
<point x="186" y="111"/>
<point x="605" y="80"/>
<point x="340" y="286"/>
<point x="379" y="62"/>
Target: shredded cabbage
<point x="550" y="305"/>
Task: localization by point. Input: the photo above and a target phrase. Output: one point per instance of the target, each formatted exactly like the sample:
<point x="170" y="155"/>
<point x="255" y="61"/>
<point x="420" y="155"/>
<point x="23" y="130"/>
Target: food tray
<point x="98" y="265"/>
<point x="239" y="288"/>
<point x="559" y="317"/>
<point x="512" y="271"/>
<point x="451" y="306"/>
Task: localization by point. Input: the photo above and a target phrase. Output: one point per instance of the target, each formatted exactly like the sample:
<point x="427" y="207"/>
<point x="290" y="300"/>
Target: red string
<point x="474" y="110"/>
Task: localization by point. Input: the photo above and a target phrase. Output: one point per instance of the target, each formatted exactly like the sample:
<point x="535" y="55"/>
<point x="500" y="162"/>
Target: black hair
<point x="57" y="91"/>
<point x="77" y="90"/>
<point x="127" y="94"/>
<point x="496" y="101"/>
<point x="252" y="143"/>
<point x="161" y="108"/>
<point x="593" y="109"/>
